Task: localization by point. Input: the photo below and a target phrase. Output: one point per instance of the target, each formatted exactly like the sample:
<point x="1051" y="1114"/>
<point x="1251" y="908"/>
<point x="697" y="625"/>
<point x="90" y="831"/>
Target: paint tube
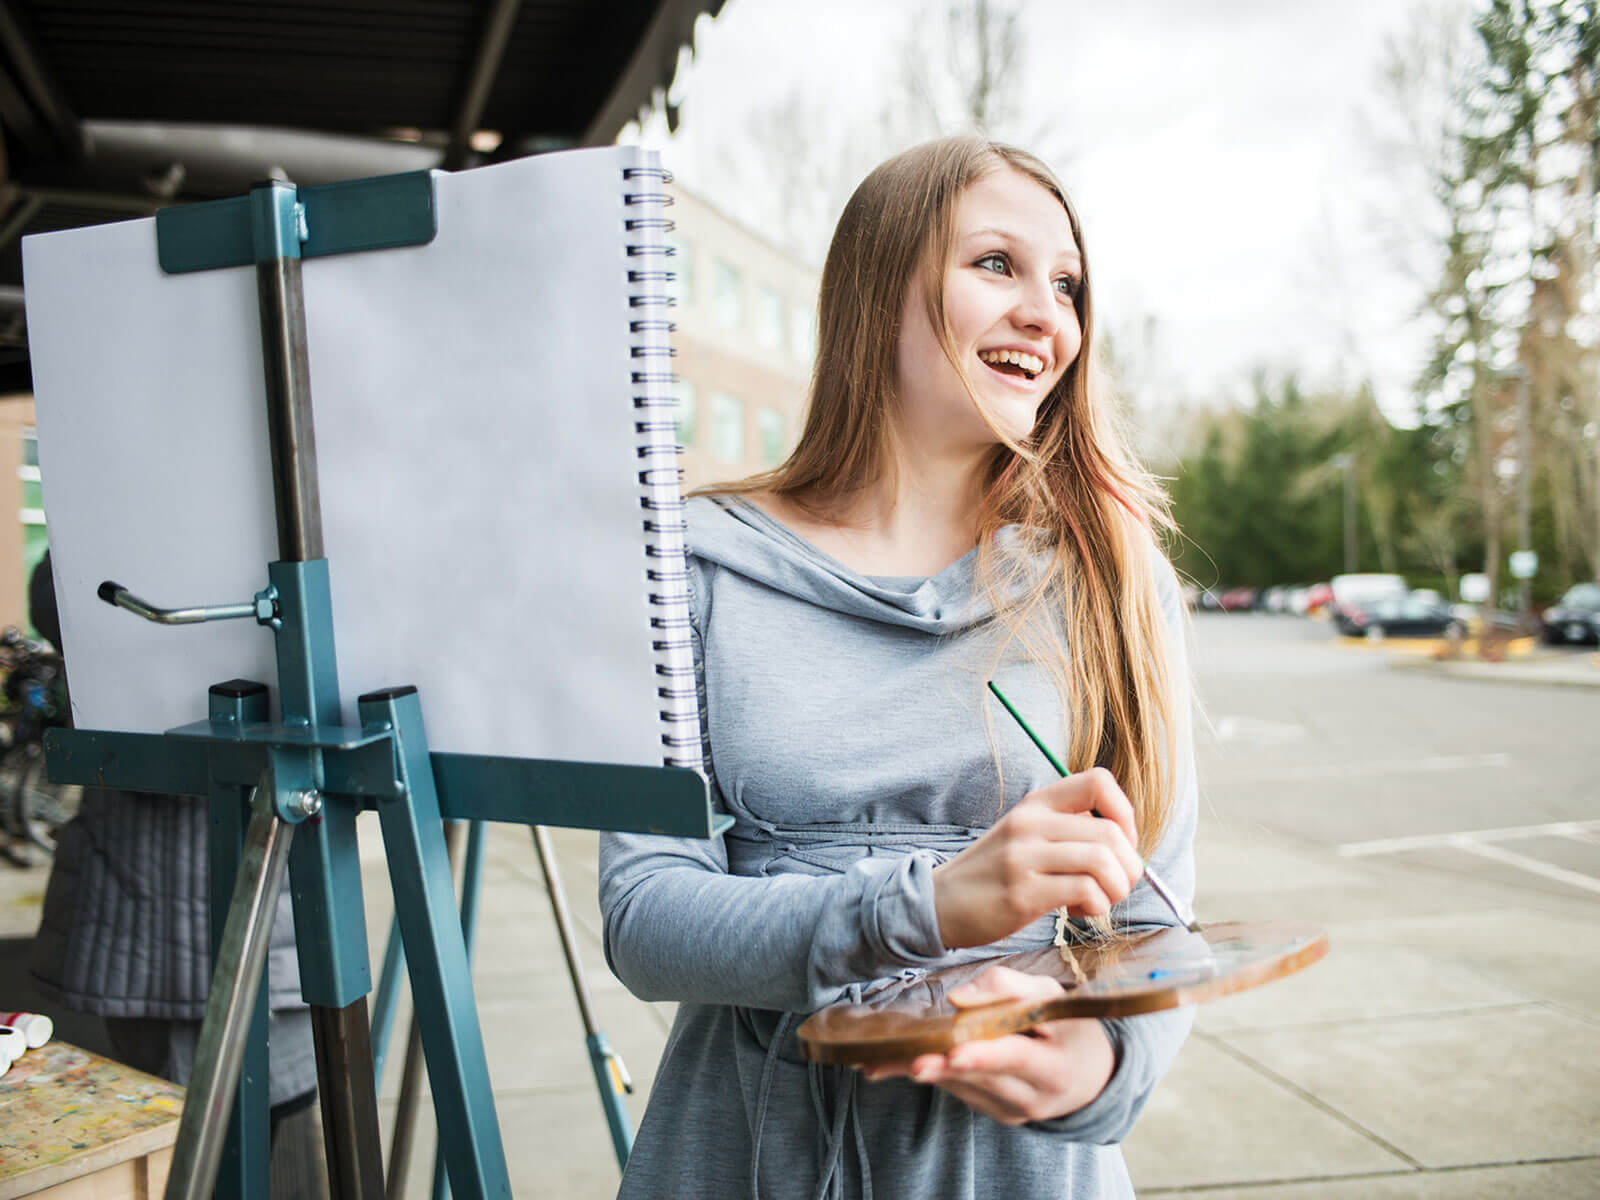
<point x="13" y="1041"/>
<point x="36" y="1027"/>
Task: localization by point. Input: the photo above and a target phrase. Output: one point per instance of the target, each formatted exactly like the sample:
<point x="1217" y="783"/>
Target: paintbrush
<point x="1154" y="880"/>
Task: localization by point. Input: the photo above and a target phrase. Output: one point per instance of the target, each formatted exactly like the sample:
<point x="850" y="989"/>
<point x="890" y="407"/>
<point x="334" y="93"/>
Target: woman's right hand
<point x="1050" y="851"/>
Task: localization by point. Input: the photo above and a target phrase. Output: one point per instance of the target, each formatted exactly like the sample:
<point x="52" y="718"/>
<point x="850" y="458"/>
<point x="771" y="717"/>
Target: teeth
<point x="1030" y="363"/>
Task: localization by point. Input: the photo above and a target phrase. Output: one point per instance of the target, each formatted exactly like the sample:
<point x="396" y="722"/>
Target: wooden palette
<point x="1125" y="975"/>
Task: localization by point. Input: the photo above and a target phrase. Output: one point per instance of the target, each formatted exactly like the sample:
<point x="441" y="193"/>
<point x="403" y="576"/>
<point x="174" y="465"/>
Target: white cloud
<point x="1217" y="160"/>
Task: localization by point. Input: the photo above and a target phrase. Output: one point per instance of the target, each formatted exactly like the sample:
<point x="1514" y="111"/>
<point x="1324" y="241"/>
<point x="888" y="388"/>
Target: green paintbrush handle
<point x="1156" y="883"/>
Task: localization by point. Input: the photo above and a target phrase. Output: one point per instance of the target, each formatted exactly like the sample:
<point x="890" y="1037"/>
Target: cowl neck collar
<point x="740" y="537"/>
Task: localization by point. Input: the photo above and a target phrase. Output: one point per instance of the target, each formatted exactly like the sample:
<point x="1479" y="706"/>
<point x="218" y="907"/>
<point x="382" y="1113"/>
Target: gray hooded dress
<point x="847" y="733"/>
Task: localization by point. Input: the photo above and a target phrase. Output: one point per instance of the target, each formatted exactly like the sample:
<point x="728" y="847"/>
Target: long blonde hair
<point x="1072" y="484"/>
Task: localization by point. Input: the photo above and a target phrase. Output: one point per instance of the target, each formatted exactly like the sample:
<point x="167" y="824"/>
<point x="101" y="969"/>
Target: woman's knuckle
<point x="1014" y="861"/>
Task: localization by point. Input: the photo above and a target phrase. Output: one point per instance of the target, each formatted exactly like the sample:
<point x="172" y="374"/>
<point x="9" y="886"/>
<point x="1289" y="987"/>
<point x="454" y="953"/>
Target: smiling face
<point x="1010" y="287"/>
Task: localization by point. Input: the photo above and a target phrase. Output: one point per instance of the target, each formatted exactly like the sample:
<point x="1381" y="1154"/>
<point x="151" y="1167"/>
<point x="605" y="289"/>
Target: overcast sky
<point x="1220" y="156"/>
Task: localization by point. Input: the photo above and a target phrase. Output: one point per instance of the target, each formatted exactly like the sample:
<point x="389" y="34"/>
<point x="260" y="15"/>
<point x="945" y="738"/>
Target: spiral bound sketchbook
<point x="495" y="444"/>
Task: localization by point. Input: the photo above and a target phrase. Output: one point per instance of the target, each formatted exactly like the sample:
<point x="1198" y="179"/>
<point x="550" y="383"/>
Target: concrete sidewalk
<point x="1440" y="1054"/>
<point x="1437" y="1054"/>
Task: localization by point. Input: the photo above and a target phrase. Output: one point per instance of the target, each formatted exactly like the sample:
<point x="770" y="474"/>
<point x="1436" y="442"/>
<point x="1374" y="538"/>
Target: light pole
<point x="1524" y="571"/>
<point x="1346" y="462"/>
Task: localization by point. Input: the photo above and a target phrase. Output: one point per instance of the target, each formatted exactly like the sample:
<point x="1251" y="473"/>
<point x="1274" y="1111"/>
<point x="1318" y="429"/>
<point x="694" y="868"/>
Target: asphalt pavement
<point x="1447" y="835"/>
<point x="1445" y="832"/>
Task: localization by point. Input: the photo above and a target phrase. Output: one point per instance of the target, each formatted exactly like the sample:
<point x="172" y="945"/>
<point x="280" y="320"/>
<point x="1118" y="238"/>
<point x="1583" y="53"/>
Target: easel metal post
<point x="329" y="915"/>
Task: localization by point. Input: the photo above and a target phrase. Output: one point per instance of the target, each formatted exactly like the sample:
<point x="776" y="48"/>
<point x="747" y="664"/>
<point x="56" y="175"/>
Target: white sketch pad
<point x="478" y="467"/>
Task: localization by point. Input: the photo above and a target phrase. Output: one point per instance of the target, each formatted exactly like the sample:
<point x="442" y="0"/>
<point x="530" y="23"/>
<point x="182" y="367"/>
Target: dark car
<point x="1402" y="616"/>
<point x="1573" y="618"/>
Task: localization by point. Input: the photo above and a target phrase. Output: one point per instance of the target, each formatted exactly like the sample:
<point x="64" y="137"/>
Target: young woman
<point x="958" y="508"/>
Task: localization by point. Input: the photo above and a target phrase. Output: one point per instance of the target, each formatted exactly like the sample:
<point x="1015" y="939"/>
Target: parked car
<point x="1353" y="594"/>
<point x="1239" y="599"/>
<point x="1318" y="597"/>
<point x="1403" y="616"/>
<point x="1573" y="618"/>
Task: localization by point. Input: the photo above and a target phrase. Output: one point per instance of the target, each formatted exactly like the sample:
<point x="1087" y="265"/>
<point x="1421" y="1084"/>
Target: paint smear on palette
<point x="60" y="1102"/>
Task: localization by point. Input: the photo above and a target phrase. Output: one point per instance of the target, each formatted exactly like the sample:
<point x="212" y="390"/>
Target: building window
<point x="681" y="264"/>
<point x="35" y="539"/>
<point x="727" y="427"/>
<point x="769" y="426"/>
<point x="769" y="319"/>
<point x="32" y="510"/>
<point x="725" y="295"/>
<point x="683" y="411"/>
<point x="802" y="334"/>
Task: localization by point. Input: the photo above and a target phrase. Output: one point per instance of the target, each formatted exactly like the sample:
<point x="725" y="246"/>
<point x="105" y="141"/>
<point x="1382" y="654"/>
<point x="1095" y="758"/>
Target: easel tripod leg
<point x="383" y="1000"/>
<point x="405" y="1113"/>
<point x="610" y="1077"/>
<point x="441" y="978"/>
<point x="471" y="878"/>
<point x="231" y="1004"/>
<point x="244" y="1169"/>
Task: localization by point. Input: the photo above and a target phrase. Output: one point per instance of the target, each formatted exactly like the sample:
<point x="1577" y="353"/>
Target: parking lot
<point x="1446" y="830"/>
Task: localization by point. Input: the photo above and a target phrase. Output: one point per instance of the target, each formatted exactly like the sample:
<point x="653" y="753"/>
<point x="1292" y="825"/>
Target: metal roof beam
<point x="652" y="66"/>
<point x="19" y="118"/>
<point x="485" y="68"/>
<point x="16" y="220"/>
<point x="40" y="84"/>
<point x="165" y="161"/>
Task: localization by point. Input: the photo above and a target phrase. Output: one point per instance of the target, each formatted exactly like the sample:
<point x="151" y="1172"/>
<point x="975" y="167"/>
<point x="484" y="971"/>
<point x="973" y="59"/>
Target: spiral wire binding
<point x="661" y="493"/>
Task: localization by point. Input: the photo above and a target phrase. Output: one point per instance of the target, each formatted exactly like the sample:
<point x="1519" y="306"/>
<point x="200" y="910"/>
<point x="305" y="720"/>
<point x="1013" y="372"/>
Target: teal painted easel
<point x="284" y="795"/>
<point x="610" y="1073"/>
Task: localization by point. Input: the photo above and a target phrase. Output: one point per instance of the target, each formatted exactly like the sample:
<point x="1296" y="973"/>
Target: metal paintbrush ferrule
<point x="1177" y="906"/>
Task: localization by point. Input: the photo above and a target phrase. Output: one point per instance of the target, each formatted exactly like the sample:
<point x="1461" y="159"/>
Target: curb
<point x="1528" y="673"/>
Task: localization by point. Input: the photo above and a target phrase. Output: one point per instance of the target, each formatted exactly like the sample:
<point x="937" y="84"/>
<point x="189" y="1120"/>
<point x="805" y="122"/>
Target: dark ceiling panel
<point x="344" y="66"/>
<point x="149" y="77"/>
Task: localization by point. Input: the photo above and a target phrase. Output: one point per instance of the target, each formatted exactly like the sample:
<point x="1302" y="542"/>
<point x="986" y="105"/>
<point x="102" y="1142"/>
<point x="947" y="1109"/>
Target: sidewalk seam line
<point x="1385" y="1018"/>
<point x="1184" y="1189"/>
<point x="1309" y="1097"/>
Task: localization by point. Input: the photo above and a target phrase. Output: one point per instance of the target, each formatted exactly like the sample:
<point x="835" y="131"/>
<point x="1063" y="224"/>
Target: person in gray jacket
<point x="958" y="508"/>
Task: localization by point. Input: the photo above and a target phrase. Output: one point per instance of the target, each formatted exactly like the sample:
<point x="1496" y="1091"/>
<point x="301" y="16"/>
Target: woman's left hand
<point x="1049" y="1071"/>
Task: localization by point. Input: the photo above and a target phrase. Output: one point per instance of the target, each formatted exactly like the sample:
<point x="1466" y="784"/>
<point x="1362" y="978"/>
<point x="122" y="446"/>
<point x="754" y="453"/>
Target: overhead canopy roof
<point x="114" y="108"/>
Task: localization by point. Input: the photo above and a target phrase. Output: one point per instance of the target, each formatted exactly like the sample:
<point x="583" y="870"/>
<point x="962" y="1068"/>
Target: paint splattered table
<point x="74" y="1125"/>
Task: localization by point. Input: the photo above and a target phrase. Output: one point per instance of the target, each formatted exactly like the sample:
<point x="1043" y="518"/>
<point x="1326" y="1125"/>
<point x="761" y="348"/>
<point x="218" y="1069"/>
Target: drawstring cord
<point x="818" y="845"/>
<point x="830" y="1183"/>
<point x="763" y="1095"/>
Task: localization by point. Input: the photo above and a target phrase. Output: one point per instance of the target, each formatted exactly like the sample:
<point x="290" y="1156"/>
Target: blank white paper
<point x="474" y="426"/>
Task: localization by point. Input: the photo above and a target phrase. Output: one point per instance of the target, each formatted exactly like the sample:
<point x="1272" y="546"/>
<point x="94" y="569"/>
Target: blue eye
<point x="1068" y="287"/>
<point x="1001" y="264"/>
